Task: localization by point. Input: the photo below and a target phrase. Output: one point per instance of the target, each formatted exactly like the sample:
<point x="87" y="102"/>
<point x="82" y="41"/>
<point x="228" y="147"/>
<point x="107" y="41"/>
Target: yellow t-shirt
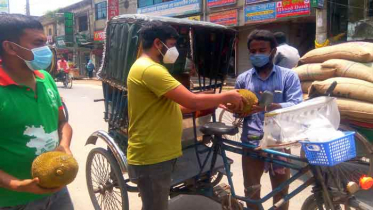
<point x="155" y="122"/>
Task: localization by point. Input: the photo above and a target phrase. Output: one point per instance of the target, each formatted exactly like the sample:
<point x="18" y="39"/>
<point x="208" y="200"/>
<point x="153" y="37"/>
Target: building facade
<point x="347" y="20"/>
<point x="296" y="18"/>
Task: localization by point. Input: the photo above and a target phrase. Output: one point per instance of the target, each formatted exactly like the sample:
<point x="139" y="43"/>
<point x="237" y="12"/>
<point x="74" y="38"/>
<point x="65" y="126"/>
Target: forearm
<point x="185" y="110"/>
<point x="7" y="181"/>
<point x="207" y="101"/>
<point x="66" y="133"/>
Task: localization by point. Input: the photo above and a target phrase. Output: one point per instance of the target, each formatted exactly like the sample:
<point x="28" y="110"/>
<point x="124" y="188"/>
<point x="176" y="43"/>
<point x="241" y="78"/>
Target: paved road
<point x="87" y="117"/>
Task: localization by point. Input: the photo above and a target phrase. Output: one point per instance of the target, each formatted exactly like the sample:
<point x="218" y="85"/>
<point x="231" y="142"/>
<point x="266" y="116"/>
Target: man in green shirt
<point x="156" y="103"/>
<point x="31" y="116"/>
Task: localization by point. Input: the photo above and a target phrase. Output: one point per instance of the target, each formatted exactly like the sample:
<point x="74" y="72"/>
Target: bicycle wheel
<point x="65" y="111"/>
<point x="68" y="83"/>
<point x="106" y="186"/>
<point x="65" y="83"/>
<point x="311" y="204"/>
<point x="229" y="119"/>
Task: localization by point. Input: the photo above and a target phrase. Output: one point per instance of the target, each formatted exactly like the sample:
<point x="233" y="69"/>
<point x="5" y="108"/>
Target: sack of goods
<point x="346" y="88"/>
<point x="350" y="69"/>
<point x="351" y="66"/>
<point x="359" y="111"/>
<point x="314" y="71"/>
<point x="354" y="51"/>
<point x="306" y="85"/>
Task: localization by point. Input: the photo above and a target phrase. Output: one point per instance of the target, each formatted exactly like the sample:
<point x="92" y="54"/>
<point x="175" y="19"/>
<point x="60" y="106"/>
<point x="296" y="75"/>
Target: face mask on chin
<point x="42" y="58"/>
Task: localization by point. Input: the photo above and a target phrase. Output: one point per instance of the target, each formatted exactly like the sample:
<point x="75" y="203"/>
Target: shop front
<point x="296" y="20"/>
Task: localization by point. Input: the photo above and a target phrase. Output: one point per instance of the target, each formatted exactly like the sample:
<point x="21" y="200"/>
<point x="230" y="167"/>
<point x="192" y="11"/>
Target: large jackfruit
<point x="250" y="99"/>
<point x="54" y="169"/>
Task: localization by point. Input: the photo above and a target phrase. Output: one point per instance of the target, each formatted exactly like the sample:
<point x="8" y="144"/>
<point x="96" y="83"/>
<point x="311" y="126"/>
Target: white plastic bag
<point x="315" y="120"/>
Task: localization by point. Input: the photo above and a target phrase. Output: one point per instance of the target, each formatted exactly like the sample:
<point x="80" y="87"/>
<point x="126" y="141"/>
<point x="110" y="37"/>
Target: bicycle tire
<point x="311" y="204"/>
<point x="228" y="119"/>
<point x="70" y="84"/>
<point x="111" y="175"/>
<point x="65" y="111"/>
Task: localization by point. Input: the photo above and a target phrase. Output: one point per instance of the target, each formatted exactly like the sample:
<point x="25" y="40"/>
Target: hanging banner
<point x="219" y="3"/>
<point x="80" y="39"/>
<point x="260" y="12"/>
<point x="317" y="3"/>
<point x="291" y="8"/>
<point x="113" y="8"/>
<point x="69" y="27"/>
<point x="99" y="36"/>
<point x="50" y="39"/>
<point x="255" y="1"/>
<point x="60" y="42"/>
<point x="4" y="6"/>
<point x="172" y="8"/>
<point x="228" y="18"/>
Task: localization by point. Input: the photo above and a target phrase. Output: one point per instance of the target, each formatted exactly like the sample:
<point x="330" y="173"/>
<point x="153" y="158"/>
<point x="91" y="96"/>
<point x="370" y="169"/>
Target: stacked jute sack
<point x="351" y="66"/>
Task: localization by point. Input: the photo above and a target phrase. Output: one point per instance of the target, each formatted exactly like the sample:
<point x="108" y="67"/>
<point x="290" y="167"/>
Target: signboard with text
<point x="317" y="3"/>
<point x="113" y="8"/>
<point x="197" y="18"/>
<point x="260" y="12"/>
<point x="291" y="8"/>
<point x="80" y="38"/>
<point x="60" y="42"/>
<point x="99" y="36"/>
<point x="69" y="27"/>
<point x="50" y="39"/>
<point x="4" y="6"/>
<point x="255" y="1"/>
<point x="172" y="8"/>
<point x="227" y="18"/>
<point x="218" y="3"/>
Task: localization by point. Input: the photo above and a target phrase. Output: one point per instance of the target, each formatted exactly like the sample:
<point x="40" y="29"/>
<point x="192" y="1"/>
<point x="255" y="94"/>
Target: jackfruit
<point x="250" y="99"/>
<point x="54" y="169"/>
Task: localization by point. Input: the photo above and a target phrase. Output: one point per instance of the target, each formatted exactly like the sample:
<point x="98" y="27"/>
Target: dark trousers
<point x="154" y="183"/>
<point x="253" y="170"/>
<point x="90" y="74"/>
<point x="58" y="201"/>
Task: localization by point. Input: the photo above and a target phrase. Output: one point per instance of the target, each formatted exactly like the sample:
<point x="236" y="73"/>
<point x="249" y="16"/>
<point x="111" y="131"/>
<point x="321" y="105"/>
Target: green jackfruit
<point x="250" y="99"/>
<point x="54" y="169"/>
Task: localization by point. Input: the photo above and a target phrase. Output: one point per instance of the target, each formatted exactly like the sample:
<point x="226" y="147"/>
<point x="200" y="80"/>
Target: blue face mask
<point x="42" y="58"/>
<point x="259" y="60"/>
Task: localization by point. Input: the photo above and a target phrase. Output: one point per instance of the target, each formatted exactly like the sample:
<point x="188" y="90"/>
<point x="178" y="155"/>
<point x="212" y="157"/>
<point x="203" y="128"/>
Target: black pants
<point x="90" y="74"/>
<point x="154" y="183"/>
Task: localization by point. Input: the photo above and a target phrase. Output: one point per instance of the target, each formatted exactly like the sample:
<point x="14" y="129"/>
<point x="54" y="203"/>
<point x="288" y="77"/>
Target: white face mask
<point x="171" y="55"/>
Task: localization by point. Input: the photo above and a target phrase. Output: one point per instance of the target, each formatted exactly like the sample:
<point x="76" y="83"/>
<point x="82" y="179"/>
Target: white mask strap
<point x="161" y="51"/>
<point x="21" y="46"/>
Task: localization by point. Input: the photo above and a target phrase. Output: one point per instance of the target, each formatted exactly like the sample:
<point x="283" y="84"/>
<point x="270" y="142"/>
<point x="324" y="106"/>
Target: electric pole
<point x="322" y="23"/>
<point x="27" y="8"/>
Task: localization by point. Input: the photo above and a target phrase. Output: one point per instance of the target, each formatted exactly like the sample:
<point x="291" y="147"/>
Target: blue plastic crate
<point x="331" y="152"/>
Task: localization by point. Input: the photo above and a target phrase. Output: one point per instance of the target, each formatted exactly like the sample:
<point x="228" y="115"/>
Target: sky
<point x="38" y="7"/>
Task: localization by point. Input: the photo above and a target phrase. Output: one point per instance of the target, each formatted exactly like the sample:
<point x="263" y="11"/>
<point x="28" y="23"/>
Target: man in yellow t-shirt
<point x="156" y="103"/>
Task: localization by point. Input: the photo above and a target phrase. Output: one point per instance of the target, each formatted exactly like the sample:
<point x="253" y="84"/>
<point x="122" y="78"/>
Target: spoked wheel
<point x="229" y="119"/>
<point x="105" y="182"/>
<point x="68" y="83"/>
<point x="311" y="204"/>
<point x="65" y="111"/>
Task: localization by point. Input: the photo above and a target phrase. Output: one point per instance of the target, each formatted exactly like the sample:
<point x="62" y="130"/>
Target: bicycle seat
<point x="218" y="129"/>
